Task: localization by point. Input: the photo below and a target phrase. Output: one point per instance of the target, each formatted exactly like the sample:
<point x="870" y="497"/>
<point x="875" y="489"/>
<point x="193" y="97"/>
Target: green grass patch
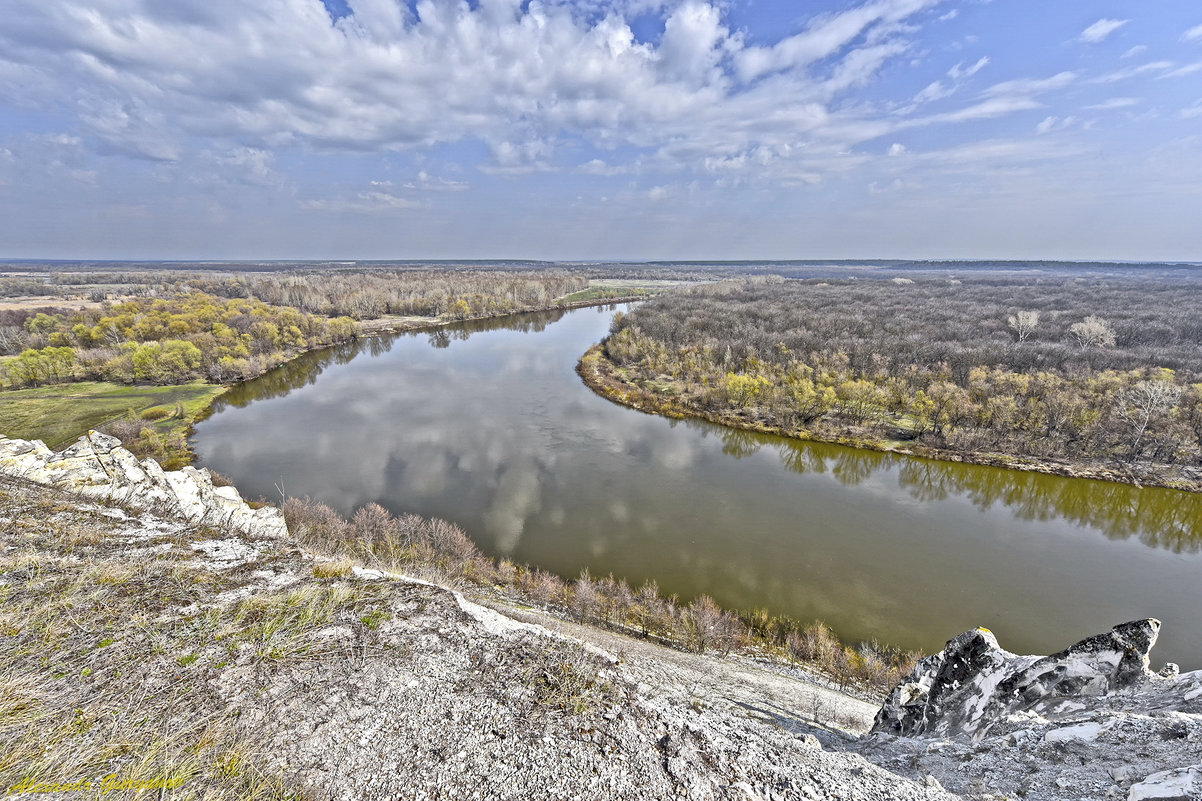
<point x="604" y="293"/>
<point x="58" y="415"/>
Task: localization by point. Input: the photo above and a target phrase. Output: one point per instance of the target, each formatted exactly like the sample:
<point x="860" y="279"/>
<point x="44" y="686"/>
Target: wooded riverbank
<point x="613" y="383"/>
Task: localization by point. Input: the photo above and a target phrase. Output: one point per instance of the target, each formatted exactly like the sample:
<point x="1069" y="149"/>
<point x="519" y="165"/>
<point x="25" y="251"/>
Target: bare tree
<point x="1024" y="324"/>
<point x="1093" y="332"/>
<point x="1140" y="404"/>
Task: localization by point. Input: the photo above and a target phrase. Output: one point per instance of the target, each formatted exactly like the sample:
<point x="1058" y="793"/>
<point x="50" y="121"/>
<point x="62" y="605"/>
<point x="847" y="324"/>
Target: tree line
<point x="368" y="294"/>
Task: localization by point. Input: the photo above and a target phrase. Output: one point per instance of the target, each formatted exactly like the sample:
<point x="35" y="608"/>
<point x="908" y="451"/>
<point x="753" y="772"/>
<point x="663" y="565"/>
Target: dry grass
<point x="567" y="677"/>
<point x="333" y="568"/>
<point x="112" y="649"/>
<point x="104" y="676"/>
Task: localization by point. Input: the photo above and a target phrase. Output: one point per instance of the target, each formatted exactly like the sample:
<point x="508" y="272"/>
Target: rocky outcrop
<point x="973" y="684"/>
<point x="1092" y="721"/>
<point x="97" y="467"/>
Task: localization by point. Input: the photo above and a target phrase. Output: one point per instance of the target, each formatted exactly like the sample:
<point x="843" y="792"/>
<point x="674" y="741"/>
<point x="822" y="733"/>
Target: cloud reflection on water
<point x="490" y="428"/>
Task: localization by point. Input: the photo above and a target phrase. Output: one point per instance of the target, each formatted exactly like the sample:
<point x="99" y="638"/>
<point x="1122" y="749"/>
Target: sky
<point x="601" y="129"/>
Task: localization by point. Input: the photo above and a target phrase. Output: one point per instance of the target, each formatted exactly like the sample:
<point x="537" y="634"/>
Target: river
<point x="487" y="424"/>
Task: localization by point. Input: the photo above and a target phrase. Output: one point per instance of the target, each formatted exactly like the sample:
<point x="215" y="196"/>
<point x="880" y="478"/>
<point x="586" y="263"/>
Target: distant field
<point x="601" y="290"/>
<point x="47" y="301"/>
<point x="59" y="414"/>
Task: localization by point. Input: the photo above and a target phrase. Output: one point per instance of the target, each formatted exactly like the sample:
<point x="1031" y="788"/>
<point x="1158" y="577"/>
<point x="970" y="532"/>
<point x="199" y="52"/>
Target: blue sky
<point x="601" y="129"/>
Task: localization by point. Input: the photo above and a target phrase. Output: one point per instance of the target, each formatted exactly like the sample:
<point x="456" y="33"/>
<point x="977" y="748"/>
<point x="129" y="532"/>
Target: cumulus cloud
<point x="150" y="77"/>
<point x="250" y="165"/>
<point x="1101" y="30"/>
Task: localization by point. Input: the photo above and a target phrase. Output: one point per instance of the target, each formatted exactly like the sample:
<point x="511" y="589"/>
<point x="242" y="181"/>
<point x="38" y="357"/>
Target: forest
<point x="161" y="341"/>
<point x="368" y="294"/>
<point x="1039" y="368"/>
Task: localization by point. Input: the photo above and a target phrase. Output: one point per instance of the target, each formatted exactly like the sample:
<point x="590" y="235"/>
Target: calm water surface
<point x="489" y="426"/>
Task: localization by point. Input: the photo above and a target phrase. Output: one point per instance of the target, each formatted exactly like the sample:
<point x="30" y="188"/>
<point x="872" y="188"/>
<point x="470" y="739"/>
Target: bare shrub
<point x="586" y="599"/>
<point x="450" y="541"/>
<point x="707" y="626"/>
<point x="815" y="643"/>
<point x="372" y="524"/>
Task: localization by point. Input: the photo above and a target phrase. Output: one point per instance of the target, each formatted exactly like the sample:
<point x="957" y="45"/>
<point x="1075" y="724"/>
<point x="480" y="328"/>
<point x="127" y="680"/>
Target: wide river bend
<point x="487" y="424"/>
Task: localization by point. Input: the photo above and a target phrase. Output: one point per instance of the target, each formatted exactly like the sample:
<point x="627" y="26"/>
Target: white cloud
<point x="1101" y="29"/>
<point x="599" y="167"/>
<point x="824" y="37"/>
<point x="372" y="201"/>
<point x="1194" y="34"/>
<point x="897" y="149"/>
<point x="1135" y="72"/>
<point x="1030" y="86"/>
<point x="1192" y="111"/>
<point x="959" y="71"/>
<point x="428" y="183"/>
<point x="693" y="42"/>
<point x="251" y="165"/>
<point x="1135" y="51"/>
<point x="986" y="109"/>
<point x="151" y="78"/>
<point x="1114" y="103"/>
<point x="1181" y="72"/>
<point x="933" y="91"/>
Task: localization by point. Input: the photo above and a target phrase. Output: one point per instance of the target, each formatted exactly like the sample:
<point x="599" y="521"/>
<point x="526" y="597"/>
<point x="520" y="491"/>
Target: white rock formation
<point x="96" y="466"/>
<point x="1092" y="721"/>
<point x="974" y="684"/>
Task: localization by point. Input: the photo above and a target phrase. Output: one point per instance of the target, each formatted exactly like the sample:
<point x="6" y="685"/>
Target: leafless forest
<point x="1062" y="366"/>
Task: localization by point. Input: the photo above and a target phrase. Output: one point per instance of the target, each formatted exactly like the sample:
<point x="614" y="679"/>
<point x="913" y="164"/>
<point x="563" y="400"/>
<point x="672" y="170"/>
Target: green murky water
<point x="489" y="426"/>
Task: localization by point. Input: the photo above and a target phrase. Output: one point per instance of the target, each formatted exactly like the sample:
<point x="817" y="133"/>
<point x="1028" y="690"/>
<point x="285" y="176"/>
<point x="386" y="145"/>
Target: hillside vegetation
<point x="1055" y="369"/>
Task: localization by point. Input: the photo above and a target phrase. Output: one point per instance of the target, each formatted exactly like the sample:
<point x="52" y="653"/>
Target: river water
<point x="488" y="425"/>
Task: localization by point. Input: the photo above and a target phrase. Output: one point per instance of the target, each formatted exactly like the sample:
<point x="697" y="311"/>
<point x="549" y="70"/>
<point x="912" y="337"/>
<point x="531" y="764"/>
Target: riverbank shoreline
<point x="382" y="327"/>
<point x="601" y="375"/>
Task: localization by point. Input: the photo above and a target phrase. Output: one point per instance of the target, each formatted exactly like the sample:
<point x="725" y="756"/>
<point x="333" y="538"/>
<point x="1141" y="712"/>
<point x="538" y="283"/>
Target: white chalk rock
<point x="96" y="466"/>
